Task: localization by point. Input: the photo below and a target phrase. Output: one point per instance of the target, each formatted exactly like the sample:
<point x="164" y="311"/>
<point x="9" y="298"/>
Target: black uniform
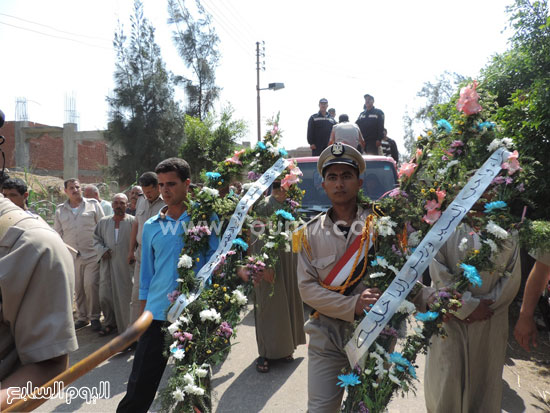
<point x="371" y="124"/>
<point x="319" y="128"/>
<point x="389" y="148"/>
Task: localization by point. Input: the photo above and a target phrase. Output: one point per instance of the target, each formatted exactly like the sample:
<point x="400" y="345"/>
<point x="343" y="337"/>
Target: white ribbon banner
<point x="233" y="229"/>
<point x="379" y="315"/>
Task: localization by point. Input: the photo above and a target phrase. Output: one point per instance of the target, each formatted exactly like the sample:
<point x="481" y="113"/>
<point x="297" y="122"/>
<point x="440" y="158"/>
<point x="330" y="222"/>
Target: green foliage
<point x="209" y="142"/>
<point x="197" y="46"/>
<point x="145" y="121"/>
<point x="520" y="80"/>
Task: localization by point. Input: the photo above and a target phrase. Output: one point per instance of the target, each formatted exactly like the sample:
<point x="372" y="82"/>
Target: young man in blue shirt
<point x="162" y="243"/>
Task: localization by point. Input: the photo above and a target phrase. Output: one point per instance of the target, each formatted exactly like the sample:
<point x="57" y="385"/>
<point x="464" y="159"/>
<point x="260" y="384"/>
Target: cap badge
<point x="337" y="149"/>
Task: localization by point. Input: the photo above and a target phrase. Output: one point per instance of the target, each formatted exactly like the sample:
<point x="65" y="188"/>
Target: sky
<point x="318" y="49"/>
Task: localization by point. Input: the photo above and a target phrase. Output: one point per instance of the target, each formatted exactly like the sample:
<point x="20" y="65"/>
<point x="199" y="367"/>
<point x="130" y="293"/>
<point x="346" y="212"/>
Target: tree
<point x="197" y="46"/>
<point x="520" y="80"/>
<point x="210" y="141"/>
<point x="145" y="120"/>
<point x="434" y="93"/>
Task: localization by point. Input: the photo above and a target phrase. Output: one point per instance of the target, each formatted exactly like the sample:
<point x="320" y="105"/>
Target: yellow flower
<point x="419" y="138"/>
<point x="220" y="182"/>
<point x="224" y="289"/>
<point x="430" y="133"/>
<point x="459" y="132"/>
<point x="432" y="190"/>
<point x="423" y="190"/>
<point x="204" y="216"/>
<point x="304" y="192"/>
<point x="208" y="351"/>
<point x="476" y="252"/>
<point x="215" y="339"/>
<point x="225" y="340"/>
<point x="198" y="259"/>
<point x="439" y="325"/>
<point x="435" y="183"/>
<point x="216" y="285"/>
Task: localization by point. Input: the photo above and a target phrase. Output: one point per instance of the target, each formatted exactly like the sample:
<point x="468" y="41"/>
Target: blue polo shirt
<point x="161" y="247"/>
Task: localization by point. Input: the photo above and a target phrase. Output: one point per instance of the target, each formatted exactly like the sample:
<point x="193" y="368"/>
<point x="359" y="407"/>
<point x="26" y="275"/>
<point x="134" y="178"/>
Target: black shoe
<point x="80" y="324"/>
<point x="96" y="325"/>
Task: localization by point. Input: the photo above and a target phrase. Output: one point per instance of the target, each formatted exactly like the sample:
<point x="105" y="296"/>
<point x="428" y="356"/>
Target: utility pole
<point x="258" y="67"/>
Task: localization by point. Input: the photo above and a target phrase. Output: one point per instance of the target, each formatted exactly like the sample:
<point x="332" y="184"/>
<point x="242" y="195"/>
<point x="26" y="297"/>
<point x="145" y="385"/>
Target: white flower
<point x="374" y="385"/>
<point x="269" y="244"/>
<point x="494" y="145"/>
<point x="406" y="307"/>
<point x="172" y="328"/>
<point x="418" y="332"/>
<point x="247" y="186"/>
<point x="379" y="348"/>
<point x="442" y="171"/>
<point x="185" y="261"/>
<point x="174" y="344"/>
<point x="384" y="226"/>
<point x="184" y="319"/>
<point x="238" y="297"/>
<point x="201" y="372"/>
<point x="508" y="142"/>
<point x="463" y="244"/>
<point x="211" y="315"/>
<point x="497" y="231"/>
<point x="188" y="379"/>
<point x="394" y="379"/>
<point x="210" y="191"/>
<point x="192" y="389"/>
<point x="178" y="395"/>
<point x="284" y="235"/>
<point x="382" y="262"/>
<point x="179" y="354"/>
<point x="492" y="244"/>
<point x="414" y="238"/>
<point x="377" y="274"/>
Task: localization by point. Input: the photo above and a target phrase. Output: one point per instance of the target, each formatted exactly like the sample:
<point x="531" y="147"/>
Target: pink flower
<point x="431" y="205"/>
<point x="188" y="336"/>
<point x="288" y="180"/>
<point x="467" y="102"/>
<point x="441" y="194"/>
<point x="431" y="216"/>
<point x="498" y="180"/>
<point x="407" y="169"/>
<point x="520" y="187"/>
<point x="457" y="144"/>
<point x="235" y="158"/>
<point x="512" y="164"/>
<point x="418" y="154"/>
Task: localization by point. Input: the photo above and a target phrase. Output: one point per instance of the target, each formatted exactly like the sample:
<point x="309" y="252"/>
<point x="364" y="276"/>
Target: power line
<point x="56" y="37"/>
<point x="57" y="30"/>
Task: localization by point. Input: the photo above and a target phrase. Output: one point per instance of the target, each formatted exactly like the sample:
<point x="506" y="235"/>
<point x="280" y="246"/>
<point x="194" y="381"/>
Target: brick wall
<point x="46" y="153"/>
<point x="92" y="155"/>
<point x="8" y="132"/>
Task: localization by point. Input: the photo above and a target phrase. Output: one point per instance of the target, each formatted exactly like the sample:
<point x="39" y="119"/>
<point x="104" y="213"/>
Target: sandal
<point x="262" y="365"/>
<point x="288" y="359"/>
<point x="107" y="330"/>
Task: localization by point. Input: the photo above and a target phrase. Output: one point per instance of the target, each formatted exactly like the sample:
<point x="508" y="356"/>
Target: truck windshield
<point x="379" y="178"/>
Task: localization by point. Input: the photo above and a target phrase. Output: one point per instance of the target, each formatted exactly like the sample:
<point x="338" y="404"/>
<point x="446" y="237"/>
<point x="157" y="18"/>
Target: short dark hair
<point x="343" y="118"/>
<point x="178" y="165"/>
<point x="368" y="96"/>
<point x="148" y="179"/>
<point x="15" y="183"/>
<point x="69" y="181"/>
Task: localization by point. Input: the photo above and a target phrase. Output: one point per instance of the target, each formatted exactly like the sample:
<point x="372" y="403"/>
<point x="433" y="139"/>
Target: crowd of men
<point x="120" y="265"/>
<point x="367" y="135"/>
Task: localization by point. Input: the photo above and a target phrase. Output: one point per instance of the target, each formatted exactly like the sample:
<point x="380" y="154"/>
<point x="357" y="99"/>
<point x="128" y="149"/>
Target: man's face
<point x="341" y="184"/>
<point x="323" y="107"/>
<point x="73" y="191"/>
<point x="14" y="196"/>
<point x="119" y="205"/>
<point x="151" y="192"/>
<point x="172" y="188"/>
<point x="369" y="103"/>
<point x="135" y="193"/>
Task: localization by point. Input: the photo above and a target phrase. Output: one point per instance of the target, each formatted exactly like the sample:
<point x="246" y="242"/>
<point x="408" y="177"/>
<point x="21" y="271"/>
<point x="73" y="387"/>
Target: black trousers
<point x="147" y="370"/>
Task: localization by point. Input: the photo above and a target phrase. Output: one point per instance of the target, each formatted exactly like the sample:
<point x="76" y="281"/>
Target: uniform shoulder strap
<point x="10" y="219"/>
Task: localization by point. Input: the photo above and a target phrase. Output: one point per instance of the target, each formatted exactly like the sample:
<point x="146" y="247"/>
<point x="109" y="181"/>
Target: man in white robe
<point x="111" y="242"/>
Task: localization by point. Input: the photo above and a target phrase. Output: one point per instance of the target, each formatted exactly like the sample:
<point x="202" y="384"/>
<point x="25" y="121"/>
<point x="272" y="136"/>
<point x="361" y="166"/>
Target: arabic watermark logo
<point x="59" y="391"/>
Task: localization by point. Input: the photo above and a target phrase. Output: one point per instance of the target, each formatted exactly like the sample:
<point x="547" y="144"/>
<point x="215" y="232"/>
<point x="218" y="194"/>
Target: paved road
<point x="238" y="387"/>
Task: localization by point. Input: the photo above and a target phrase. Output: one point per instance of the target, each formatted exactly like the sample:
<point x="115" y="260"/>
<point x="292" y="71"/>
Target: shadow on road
<point x="260" y="387"/>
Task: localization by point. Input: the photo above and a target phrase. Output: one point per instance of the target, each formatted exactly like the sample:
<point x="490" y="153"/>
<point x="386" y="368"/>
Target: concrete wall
<point x="62" y="152"/>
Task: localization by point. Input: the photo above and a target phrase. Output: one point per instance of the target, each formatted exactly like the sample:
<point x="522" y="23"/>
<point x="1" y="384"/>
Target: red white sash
<point x="341" y="271"/>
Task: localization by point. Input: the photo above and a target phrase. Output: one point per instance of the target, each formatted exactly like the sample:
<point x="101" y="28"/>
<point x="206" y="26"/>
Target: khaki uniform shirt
<point x="327" y="245"/>
<point x="144" y="211"/>
<point x="36" y="291"/>
<point x="77" y="230"/>
<point x="542" y="256"/>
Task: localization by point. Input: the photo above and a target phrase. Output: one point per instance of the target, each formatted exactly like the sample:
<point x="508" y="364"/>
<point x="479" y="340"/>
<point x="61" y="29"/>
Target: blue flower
<point x="427" y="316"/>
<point x="240" y="243"/>
<point x="346" y="380"/>
<point x="283" y="152"/>
<point x="488" y="125"/>
<point x="402" y="363"/>
<point x="470" y="272"/>
<point x="443" y="124"/>
<point x="284" y="214"/>
<point x="491" y="206"/>
<point x="374" y="263"/>
<point x="261" y="145"/>
<point x="213" y="175"/>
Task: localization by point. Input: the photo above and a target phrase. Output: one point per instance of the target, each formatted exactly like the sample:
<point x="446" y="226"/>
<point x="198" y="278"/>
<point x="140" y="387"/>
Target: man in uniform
<point x="36" y="290"/>
<point x="91" y="191"/>
<point x="75" y="220"/>
<point x="111" y="241"/>
<point x="319" y="128"/>
<point x="389" y="147"/>
<point x="326" y="238"/>
<point x="16" y="191"/>
<point x="146" y="207"/>
<point x="371" y="124"/>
